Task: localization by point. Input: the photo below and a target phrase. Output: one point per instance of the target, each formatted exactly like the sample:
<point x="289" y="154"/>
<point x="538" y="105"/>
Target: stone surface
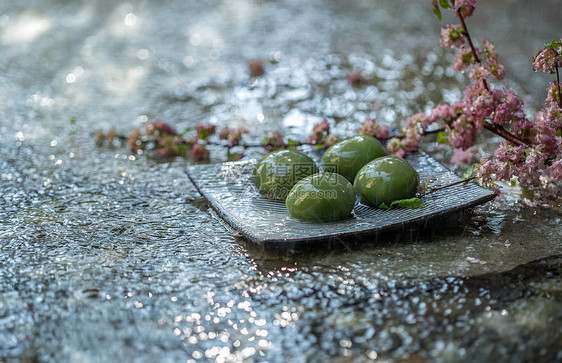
<point x="111" y="256"/>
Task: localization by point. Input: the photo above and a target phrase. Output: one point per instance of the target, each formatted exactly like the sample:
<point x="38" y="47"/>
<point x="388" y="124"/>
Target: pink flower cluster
<point x="319" y="132"/>
<point x="443" y="112"/>
<point x="465" y="7"/>
<point x="484" y="65"/>
<point x="547" y="124"/>
<point x="553" y="98"/>
<point x="274" y="140"/>
<point x="462" y="133"/>
<point x="411" y="137"/>
<point x="490" y="59"/>
<point x="497" y="109"/>
<point x="547" y="59"/>
<point x="331" y="140"/>
<point x="356" y="78"/>
<point x="370" y="127"/>
<point x="464" y="157"/>
<point x="164" y="137"/>
<point x="234" y="136"/>
<point x="463" y="59"/>
<point x="452" y="36"/>
<point x="205" y="130"/>
<point x="159" y="127"/>
<point x="509" y="108"/>
<point x="199" y="152"/>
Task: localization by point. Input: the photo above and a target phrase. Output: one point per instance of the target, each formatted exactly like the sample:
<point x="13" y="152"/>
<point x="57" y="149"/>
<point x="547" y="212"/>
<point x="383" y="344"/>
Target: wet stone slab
<point x="106" y="255"/>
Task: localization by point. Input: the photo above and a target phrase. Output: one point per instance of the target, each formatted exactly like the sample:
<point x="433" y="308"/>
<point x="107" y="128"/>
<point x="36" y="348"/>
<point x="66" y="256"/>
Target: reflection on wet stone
<point x="109" y="256"/>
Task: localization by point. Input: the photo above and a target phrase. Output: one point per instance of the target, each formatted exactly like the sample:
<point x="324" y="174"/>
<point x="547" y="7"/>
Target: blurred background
<point x="120" y="64"/>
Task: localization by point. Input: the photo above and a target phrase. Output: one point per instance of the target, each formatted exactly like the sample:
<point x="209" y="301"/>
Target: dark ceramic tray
<point x="230" y="192"/>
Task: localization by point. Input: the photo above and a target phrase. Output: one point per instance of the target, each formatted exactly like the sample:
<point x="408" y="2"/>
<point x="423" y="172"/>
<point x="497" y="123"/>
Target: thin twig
<point x="472" y="47"/>
<point x="558" y="83"/>
<point x="464" y="181"/>
<point x="497" y="129"/>
<point x="500" y="131"/>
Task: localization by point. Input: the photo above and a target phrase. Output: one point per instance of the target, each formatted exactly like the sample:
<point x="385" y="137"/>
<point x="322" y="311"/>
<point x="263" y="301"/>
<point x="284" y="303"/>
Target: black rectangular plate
<point x="231" y="193"/>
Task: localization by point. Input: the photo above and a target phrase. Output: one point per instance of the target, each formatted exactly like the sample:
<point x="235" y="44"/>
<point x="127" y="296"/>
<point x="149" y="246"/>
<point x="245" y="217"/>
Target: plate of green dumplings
<point x="352" y="190"/>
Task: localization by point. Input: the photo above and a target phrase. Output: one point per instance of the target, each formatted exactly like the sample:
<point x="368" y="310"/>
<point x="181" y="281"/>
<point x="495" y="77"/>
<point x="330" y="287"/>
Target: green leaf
<point x="234" y="156"/>
<point x="292" y="143"/>
<point x="437" y="10"/>
<point x="444" y="4"/>
<point x="407" y="203"/>
<point x="72" y="121"/>
<point x="553" y="45"/>
<point x="559" y="133"/>
<point x="442" y="137"/>
<point x="183" y="149"/>
<point x="468" y="173"/>
<point x="384" y="206"/>
<point x="320" y="146"/>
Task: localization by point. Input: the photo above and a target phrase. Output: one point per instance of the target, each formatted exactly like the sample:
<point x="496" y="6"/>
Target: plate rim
<point x="361" y="233"/>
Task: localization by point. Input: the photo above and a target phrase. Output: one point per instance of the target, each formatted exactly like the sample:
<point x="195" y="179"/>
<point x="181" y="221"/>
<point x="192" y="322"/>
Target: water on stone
<point x="108" y="255"/>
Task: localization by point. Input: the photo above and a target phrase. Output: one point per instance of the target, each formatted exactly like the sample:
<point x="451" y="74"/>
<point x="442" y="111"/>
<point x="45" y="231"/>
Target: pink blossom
<point x="223" y="135"/>
<point x="440" y="112"/>
<point x="356" y="78"/>
<point x="553" y="98"/>
<point x="234" y="136"/>
<point x="274" y="139"/>
<point x="160" y="127"/>
<point x="546" y="60"/>
<point x="331" y="140"/>
<point x="555" y="170"/>
<point x="382" y="132"/>
<point x="462" y="134"/>
<point x="479" y="73"/>
<point x="508" y="153"/>
<point x="554" y="118"/>
<point x="319" y="132"/>
<point x="504" y="170"/>
<point x="412" y="135"/>
<point x="167" y="146"/>
<point x="370" y="127"/>
<point x="530" y="172"/>
<point x="510" y="108"/>
<point x="205" y="130"/>
<point x="484" y="172"/>
<point x="523" y="128"/>
<point x="199" y="152"/>
<point x="463" y="59"/>
<point x="394" y="146"/>
<point x="465" y="7"/>
<point x="323" y="126"/>
<point x="496" y="69"/>
<point x="133" y="141"/>
<point x="463" y="157"/>
<point x="546" y="128"/>
<point x="480" y="104"/>
<point x="413" y="123"/>
<point x="452" y="36"/>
